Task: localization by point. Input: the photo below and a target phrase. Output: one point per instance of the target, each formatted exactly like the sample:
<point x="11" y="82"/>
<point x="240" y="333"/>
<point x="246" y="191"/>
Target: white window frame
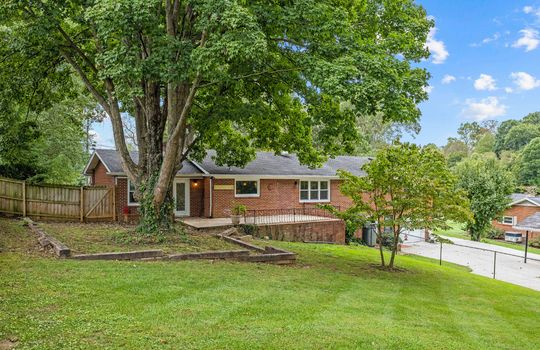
<point x="509" y="224"/>
<point x="130" y="203"/>
<point x="309" y="200"/>
<point x="251" y="195"/>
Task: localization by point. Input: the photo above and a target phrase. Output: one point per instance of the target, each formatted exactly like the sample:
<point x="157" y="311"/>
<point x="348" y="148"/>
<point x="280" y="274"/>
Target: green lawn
<point x="457" y="231"/>
<point x="335" y="297"/>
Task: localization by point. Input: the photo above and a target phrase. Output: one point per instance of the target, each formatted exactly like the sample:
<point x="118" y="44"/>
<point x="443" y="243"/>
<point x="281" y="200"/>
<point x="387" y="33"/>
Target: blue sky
<point x="485" y="64"/>
<point x="489" y="52"/>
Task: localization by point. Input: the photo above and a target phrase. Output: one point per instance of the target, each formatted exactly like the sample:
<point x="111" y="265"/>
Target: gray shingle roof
<point x="265" y="163"/>
<point x="531" y="223"/>
<point x="268" y="163"/>
<point x="111" y="158"/>
<point x="519" y="196"/>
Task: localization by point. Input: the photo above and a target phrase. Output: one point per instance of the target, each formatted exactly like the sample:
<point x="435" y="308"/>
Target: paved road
<point x="509" y="268"/>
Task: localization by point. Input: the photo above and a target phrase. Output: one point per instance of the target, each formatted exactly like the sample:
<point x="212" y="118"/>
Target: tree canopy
<point x="529" y="164"/>
<point x="234" y="76"/>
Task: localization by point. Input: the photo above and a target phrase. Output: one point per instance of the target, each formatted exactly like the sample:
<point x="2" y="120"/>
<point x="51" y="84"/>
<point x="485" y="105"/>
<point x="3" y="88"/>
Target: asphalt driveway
<point x="509" y="268"/>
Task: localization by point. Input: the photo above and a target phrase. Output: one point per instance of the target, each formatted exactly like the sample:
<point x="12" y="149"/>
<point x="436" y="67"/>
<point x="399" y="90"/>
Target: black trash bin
<point x="369" y="235"/>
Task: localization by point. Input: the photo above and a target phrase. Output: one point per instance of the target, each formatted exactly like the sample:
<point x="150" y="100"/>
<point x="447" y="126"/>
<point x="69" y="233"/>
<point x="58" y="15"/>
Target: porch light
<point x="195" y="183"/>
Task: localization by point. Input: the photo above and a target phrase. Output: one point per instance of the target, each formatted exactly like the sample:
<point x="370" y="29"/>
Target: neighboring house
<point x="522" y="207"/>
<point x="206" y="189"/>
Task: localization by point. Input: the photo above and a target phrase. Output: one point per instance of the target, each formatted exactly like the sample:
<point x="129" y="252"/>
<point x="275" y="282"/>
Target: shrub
<point x="249" y="229"/>
<point x="239" y="209"/>
<point x="535" y="243"/>
<point x="387" y="240"/>
<point x="495" y="233"/>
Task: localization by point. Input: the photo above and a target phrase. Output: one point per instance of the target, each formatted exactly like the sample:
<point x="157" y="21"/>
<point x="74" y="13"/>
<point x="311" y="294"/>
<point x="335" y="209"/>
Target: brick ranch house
<point x="208" y="190"/>
<point x="522" y="207"/>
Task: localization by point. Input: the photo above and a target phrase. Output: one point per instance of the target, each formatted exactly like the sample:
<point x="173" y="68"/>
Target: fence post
<point x="24" y="198"/>
<point x="440" y="254"/>
<point x="113" y="202"/>
<point x="494" y="262"/>
<point x="526" y="245"/>
<point x="81" y="204"/>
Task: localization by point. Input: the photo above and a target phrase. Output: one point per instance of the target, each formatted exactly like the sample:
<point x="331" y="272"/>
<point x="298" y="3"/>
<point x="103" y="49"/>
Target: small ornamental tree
<point x="406" y="187"/>
<point x="488" y="186"/>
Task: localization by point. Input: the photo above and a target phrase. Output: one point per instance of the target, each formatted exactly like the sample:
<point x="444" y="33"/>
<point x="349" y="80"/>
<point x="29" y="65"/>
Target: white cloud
<point x="487" y="40"/>
<point x="436" y="48"/>
<point x="486" y="108"/>
<point x="532" y="10"/>
<point x="508" y="90"/>
<point x="428" y="89"/>
<point x="529" y="39"/>
<point x="525" y="81"/>
<point x="447" y="79"/>
<point x="485" y="82"/>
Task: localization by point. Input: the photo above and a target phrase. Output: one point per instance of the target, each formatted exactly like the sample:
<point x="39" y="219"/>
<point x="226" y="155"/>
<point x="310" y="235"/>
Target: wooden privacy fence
<point x="57" y="201"/>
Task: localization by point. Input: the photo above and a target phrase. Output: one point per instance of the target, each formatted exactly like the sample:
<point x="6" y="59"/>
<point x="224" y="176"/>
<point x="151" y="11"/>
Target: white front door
<point x="181" y="197"/>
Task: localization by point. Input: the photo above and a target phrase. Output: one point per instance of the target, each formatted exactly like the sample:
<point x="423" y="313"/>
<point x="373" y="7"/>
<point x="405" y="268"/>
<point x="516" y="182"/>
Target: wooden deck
<point x="200" y="223"/>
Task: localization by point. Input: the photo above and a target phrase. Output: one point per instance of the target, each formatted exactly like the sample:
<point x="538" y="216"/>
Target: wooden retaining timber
<point x="60" y="249"/>
<point x="136" y="255"/>
<point x="269" y="254"/>
<point x="220" y="254"/>
<point x="242" y="243"/>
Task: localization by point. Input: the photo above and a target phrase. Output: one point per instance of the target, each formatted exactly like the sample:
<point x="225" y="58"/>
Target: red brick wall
<point x="322" y="231"/>
<point x="122" y="201"/>
<point x="206" y="200"/>
<point x="520" y="212"/>
<point x="196" y="197"/>
<point x="100" y="176"/>
<point x="274" y="194"/>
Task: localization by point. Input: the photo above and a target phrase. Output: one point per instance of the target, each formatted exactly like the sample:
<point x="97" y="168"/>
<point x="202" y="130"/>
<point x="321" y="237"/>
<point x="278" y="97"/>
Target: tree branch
<point x="93" y="90"/>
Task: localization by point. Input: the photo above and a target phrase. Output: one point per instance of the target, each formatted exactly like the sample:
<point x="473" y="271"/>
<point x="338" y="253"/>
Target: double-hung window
<point x="507" y="220"/>
<point x="131" y="194"/>
<point x="314" y="191"/>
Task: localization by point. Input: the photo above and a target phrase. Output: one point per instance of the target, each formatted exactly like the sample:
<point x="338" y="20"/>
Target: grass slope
<point x="106" y="237"/>
<point x="335" y="297"/>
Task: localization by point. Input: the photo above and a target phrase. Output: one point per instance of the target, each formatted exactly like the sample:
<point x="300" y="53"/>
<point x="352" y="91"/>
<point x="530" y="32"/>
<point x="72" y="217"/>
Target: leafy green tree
<point x="488" y="186"/>
<point x="455" y="151"/>
<point x="529" y="164"/>
<point x="234" y="76"/>
<point x="406" y="187"/>
<point x="485" y="144"/>
<point x="45" y="147"/>
<point x="532" y="118"/>
<point x="520" y="135"/>
<point x="500" y="136"/>
<point x="469" y="133"/>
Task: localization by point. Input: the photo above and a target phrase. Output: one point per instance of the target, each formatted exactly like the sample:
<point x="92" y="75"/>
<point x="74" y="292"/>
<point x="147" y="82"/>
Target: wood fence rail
<point x="57" y="201"/>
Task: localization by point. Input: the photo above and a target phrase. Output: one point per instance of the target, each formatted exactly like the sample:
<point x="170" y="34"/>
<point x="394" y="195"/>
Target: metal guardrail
<point x="525" y="256"/>
<point x="286" y="215"/>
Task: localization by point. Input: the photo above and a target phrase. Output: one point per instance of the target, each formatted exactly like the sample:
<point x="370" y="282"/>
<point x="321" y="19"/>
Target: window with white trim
<point x="131" y="194"/>
<point x="314" y="191"/>
<point x="507" y="220"/>
<point x="246" y="188"/>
